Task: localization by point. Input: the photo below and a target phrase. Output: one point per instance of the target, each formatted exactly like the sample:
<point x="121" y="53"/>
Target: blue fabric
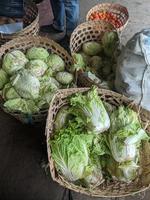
<point x="11" y="8"/>
<point x="65" y="9"/>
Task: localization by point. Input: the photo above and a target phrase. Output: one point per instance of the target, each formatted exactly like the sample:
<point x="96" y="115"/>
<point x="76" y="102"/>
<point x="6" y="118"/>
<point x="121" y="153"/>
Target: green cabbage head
<point x="125" y="135"/>
<point x="26" y="85"/>
<point x="3" y="78"/>
<point x="71" y="151"/>
<point x="110" y="43"/>
<point x="64" y="78"/>
<point x="9" y="92"/>
<point x="56" y="63"/>
<point x="90" y="109"/>
<point x="21" y="105"/>
<point x="14" y="61"/>
<point x="124" y="144"/>
<point x="36" y="67"/>
<point x="35" y="53"/>
<point x="78" y="62"/>
<point x="48" y="87"/>
<point x="125" y="172"/>
<point x="71" y="155"/>
<point x="92" y="48"/>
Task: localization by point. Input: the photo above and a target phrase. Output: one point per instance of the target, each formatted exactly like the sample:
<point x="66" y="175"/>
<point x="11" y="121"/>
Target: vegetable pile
<point x="98" y="59"/>
<point x="107" y="16"/>
<point x="28" y="81"/>
<point x="95" y="141"/>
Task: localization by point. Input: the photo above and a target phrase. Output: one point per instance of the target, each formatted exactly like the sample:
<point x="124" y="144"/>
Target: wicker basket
<point x="106" y="189"/>
<point x="30" y="21"/>
<point x="118" y="11"/>
<point x="23" y="43"/>
<point x="85" y="32"/>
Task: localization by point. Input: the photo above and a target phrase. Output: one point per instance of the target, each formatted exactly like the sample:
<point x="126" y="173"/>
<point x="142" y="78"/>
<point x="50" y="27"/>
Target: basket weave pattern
<point x="24" y="43"/>
<point x="31" y="24"/>
<point x="88" y="31"/>
<point x="118" y="11"/>
<point x="107" y="189"/>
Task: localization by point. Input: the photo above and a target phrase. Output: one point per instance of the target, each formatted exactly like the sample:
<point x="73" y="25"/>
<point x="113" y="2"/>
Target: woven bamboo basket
<point x="85" y="32"/>
<point x="107" y="188"/>
<point x="118" y="11"/>
<point x="23" y="43"/>
<point x="30" y="21"/>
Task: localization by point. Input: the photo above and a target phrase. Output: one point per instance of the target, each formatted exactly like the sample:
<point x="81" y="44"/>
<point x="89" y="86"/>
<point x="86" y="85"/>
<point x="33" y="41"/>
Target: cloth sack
<point x="133" y="69"/>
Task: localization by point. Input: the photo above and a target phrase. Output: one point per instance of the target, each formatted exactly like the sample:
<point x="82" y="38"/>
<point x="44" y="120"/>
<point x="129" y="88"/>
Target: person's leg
<point x="12" y="9"/>
<point x="72" y="15"/>
<point x="59" y="14"/>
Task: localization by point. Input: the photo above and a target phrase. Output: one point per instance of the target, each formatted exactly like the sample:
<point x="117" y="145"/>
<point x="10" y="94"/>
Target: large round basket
<point x="85" y="32"/>
<point x="23" y="43"/>
<point x="30" y="21"/>
<point x="107" y="188"/>
<point x="118" y="14"/>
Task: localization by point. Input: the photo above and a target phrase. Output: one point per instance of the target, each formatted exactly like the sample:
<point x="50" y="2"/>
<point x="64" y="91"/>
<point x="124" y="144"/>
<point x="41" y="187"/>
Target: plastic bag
<point x="11" y="28"/>
<point x="133" y="70"/>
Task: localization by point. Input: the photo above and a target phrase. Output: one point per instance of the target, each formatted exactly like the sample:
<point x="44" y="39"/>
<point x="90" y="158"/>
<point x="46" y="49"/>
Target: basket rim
<point x="51" y="161"/>
<point x="90" y="23"/>
<point x="24" y="40"/>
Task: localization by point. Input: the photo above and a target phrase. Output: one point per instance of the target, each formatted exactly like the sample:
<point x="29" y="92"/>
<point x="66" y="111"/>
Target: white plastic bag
<point x="133" y="70"/>
<point x="11" y="28"/>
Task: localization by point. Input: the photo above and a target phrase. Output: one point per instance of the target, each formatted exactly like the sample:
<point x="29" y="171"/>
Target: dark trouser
<point x="68" y="9"/>
<point x="11" y="8"/>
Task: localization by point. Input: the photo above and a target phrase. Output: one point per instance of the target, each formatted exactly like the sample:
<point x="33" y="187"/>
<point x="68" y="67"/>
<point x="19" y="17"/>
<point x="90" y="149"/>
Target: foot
<point x="52" y="33"/>
<point x="65" y="43"/>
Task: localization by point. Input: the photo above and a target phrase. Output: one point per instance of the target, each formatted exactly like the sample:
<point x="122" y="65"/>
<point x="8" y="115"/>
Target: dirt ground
<point x="23" y="150"/>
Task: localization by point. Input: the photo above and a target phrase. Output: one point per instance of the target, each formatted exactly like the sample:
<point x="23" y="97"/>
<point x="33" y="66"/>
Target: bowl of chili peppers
<point x="115" y="14"/>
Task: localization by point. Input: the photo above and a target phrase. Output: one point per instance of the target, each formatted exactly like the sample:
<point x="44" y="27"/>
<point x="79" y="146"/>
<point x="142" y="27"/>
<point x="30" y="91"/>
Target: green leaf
<point x="90" y="109"/>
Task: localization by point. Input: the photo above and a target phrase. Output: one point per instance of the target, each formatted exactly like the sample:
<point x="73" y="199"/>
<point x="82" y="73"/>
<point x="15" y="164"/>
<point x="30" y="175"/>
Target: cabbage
<point x="73" y="154"/>
<point x="85" y="57"/>
<point x="35" y="53"/>
<point x="36" y="67"/>
<point x="47" y="81"/>
<point x="78" y="62"/>
<point x="125" y="172"/>
<point x="48" y="87"/>
<point x="43" y="101"/>
<point x="109" y="107"/>
<point x="95" y="177"/>
<point x="9" y="92"/>
<point x="64" y="78"/>
<point x="14" y="61"/>
<point x="92" y="48"/>
<point x="125" y="135"/>
<point x="70" y="153"/>
<point x="49" y="72"/>
<point x="110" y="42"/>
<point x="21" y="105"/>
<point x="106" y="71"/>
<point x="62" y="117"/>
<point x="90" y="109"/>
<point x="3" y="78"/>
<point x="100" y="147"/>
<point x="124" y="144"/>
<point x="26" y="85"/>
<point x="96" y="62"/>
<point x="56" y="63"/>
<point x="124" y="117"/>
